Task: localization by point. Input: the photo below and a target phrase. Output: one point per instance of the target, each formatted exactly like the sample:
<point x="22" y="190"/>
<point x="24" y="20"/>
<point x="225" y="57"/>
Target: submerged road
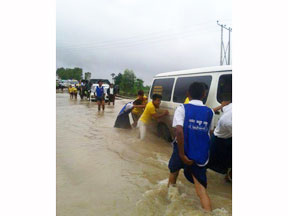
<point x="103" y="171"/>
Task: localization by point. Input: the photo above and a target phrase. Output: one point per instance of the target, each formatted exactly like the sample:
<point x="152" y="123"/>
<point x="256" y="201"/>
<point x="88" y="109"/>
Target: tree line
<point x="69" y="73"/>
<point x="129" y="84"/>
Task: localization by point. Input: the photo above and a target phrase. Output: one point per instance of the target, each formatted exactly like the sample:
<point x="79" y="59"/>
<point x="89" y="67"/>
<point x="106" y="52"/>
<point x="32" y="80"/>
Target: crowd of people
<point x="99" y="94"/>
<point x="197" y="145"/>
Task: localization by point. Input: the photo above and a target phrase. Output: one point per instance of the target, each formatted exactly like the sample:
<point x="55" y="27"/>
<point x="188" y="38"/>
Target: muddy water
<point x="106" y="171"/>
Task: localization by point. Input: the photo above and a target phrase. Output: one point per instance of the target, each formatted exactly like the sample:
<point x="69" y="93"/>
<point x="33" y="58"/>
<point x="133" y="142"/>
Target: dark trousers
<point x="220" y="159"/>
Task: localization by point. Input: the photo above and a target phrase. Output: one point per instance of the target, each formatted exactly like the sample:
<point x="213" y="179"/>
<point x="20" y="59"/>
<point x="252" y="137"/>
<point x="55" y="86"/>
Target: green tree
<point x="128" y="80"/>
<point x="139" y="84"/>
<point x="68" y="73"/>
<point x="129" y="84"/>
<point x="118" y="79"/>
<point x="61" y="73"/>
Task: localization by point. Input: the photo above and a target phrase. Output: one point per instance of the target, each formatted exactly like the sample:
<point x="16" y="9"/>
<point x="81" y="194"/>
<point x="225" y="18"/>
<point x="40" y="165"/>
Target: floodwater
<point x="103" y="171"/>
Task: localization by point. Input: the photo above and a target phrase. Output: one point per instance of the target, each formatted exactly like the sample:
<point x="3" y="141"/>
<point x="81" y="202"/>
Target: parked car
<point x="93" y="90"/>
<point x="174" y="85"/>
<point x="64" y="83"/>
<point x="95" y="81"/>
<point x="73" y="82"/>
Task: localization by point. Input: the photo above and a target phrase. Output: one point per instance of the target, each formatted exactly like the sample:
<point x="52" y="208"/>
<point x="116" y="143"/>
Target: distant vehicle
<point x="73" y="82"/>
<point x="61" y="84"/>
<point x="64" y="83"/>
<point x="93" y="90"/>
<point x="173" y="87"/>
<point x="95" y="81"/>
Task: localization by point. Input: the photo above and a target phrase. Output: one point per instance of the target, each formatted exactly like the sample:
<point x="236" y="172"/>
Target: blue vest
<point x="196" y="133"/>
<point x="123" y="109"/>
<point x="100" y="91"/>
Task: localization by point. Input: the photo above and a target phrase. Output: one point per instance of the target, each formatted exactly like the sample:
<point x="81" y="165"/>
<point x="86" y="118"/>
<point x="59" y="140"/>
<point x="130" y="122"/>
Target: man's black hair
<point x="99" y="81"/>
<point x="140" y="92"/>
<point x="156" y="96"/>
<point x="197" y="90"/>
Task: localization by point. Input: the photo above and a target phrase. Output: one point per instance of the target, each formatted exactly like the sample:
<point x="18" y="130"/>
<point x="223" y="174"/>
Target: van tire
<point x="163" y="131"/>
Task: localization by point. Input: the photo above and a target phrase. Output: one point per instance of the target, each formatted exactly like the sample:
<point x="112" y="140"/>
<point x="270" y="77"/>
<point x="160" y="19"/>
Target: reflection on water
<point x="102" y="170"/>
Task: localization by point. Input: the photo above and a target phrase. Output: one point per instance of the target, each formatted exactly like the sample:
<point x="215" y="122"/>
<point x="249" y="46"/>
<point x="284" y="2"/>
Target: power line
<point x="138" y="42"/>
<point x="131" y="38"/>
<point x="72" y="52"/>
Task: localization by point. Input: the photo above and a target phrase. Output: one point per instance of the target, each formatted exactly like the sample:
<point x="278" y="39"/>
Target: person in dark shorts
<point x="100" y="95"/>
<point x="193" y="123"/>
<point x="221" y="142"/>
<point x="111" y="94"/>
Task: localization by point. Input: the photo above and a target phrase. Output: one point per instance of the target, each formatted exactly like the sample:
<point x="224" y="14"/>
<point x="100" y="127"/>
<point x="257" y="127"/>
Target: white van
<point x="173" y="87"/>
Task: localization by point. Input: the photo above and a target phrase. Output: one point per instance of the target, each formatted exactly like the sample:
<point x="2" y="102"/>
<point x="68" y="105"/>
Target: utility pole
<point x="221" y="59"/>
<point x="229" y="46"/>
<point x="223" y="49"/>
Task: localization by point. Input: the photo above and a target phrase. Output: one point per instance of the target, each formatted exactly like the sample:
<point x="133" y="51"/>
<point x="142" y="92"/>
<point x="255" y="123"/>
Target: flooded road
<point x="103" y="171"/>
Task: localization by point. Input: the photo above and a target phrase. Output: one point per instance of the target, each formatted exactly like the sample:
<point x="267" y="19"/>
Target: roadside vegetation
<point x="69" y="73"/>
<point x="127" y="81"/>
<point x="129" y="84"/>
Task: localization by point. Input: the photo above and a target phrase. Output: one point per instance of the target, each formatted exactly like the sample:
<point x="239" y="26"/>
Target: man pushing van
<point x="149" y="113"/>
<point x="193" y="123"/>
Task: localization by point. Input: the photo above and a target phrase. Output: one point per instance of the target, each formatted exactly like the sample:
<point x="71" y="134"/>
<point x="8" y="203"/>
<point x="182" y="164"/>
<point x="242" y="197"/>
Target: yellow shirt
<point x="74" y="89"/>
<point x="139" y="111"/>
<point x="186" y="100"/>
<point x="70" y="90"/>
<point x="148" y="112"/>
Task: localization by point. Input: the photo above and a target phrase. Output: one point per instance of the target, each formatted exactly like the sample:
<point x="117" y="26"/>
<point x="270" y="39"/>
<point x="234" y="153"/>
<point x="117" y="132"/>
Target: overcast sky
<point x="147" y="36"/>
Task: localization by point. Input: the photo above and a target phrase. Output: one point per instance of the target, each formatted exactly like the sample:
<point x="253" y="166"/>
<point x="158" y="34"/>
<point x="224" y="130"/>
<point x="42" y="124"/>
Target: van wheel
<point x="164" y="132"/>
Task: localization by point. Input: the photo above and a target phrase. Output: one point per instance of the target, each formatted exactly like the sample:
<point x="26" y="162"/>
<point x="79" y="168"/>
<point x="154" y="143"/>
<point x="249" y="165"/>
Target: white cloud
<point x="147" y="36"/>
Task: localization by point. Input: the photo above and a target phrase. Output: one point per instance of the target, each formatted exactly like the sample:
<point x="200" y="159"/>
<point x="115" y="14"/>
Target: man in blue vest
<point x="100" y="95"/>
<point x="193" y="123"/>
<point x="122" y="120"/>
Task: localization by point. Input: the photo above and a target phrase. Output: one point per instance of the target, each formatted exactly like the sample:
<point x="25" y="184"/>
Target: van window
<point x="163" y="87"/>
<point x="224" y="91"/>
<point x="182" y="87"/>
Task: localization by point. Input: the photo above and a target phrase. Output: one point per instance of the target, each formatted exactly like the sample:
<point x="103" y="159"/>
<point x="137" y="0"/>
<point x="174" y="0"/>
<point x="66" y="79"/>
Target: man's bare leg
<point x="103" y="104"/>
<point x="99" y="105"/>
<point x="135" y="123"/>
<point x="135" y="120"/>
<point x="203" y="195"/>
<point x="173" y="178"/>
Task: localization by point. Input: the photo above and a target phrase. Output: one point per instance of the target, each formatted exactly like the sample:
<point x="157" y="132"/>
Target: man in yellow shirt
<point x="74" y="91"/>
<point x="138" y="109"/>
<point x="186" y="100"/>
<point x="149" y="112"/>
<point x="70" y="91"/>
